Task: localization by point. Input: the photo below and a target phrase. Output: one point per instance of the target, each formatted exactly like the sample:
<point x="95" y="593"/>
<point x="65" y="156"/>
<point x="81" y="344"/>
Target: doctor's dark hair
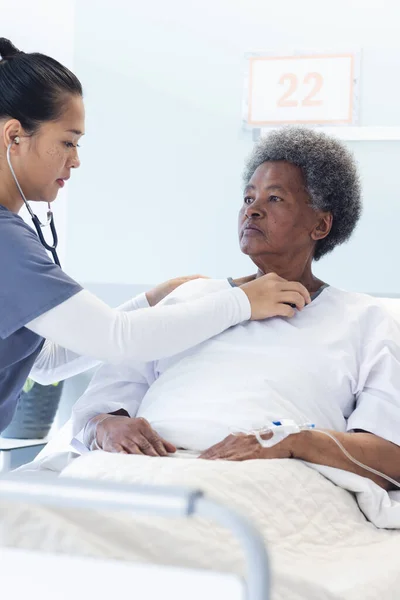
<point x="33" y="87"/>
<point x="330" y="172"/>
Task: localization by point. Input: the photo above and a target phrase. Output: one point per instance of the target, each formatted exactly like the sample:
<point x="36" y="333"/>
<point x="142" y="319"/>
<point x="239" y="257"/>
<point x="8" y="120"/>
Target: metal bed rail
<point x="163" y="501"/>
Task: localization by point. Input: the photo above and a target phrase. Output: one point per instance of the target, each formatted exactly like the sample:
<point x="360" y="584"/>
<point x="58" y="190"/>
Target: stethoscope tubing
<point x="52" y="248"/>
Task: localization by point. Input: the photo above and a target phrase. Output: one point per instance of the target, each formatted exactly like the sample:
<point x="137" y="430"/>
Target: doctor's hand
<point x="130" y="436"/>
<point x="158" y="293"/>
<point x="271" y="296"/>
<point x="246" y="447"/>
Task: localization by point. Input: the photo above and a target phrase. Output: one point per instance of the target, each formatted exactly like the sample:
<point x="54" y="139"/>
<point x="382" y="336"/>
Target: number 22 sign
<point x="300" y="89"/>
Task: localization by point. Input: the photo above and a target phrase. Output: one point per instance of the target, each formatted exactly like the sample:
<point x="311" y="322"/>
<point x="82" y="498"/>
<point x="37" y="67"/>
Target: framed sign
<point x="303" y="88"/>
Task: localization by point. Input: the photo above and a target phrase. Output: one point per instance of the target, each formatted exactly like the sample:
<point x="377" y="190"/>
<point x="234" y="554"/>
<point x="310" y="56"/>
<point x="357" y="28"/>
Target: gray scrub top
<point x="30" y="285"/>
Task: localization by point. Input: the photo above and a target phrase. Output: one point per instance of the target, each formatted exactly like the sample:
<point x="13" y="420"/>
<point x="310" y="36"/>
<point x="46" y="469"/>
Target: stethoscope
<point x="52" y="248"/>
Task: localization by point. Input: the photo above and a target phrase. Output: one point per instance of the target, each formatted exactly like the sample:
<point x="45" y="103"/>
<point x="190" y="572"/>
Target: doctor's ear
<point x="12" y="133"/>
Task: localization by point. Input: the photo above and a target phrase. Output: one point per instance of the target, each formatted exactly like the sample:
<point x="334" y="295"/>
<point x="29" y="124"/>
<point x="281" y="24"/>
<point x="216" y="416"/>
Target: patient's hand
<point x="130" y="436"/>
<point x="246" y="447"/>
<point x="158" y="293"/>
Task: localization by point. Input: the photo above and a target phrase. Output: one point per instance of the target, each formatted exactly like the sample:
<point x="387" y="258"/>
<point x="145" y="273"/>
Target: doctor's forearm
<point x="56" y="363"/>
<point x="367" y="448"/>
<point x="87" y="326"/>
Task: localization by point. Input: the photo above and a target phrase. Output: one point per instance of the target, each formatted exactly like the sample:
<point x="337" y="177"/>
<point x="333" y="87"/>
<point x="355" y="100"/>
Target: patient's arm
<point x="315" y="447"/>
<point x="367" y="448"/>
<point x="112" y="389"/>
<point x="373" y="428"/>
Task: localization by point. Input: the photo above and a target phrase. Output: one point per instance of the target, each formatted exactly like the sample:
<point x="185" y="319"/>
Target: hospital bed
<point x="46" y="576"/>
<point x="319" y="541"/>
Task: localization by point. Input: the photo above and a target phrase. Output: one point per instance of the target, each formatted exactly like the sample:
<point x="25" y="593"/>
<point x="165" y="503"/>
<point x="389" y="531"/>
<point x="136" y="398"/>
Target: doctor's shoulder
<point x="15" y="233"/>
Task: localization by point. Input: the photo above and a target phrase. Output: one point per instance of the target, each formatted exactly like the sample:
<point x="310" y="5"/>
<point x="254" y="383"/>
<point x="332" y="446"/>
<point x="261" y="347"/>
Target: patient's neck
<point x="303" y="275"/>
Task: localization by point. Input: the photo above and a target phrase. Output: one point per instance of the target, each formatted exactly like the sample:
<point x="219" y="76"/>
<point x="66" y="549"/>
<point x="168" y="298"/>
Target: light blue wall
<point x="371" y="261"/>
<point x="159" y="189"/>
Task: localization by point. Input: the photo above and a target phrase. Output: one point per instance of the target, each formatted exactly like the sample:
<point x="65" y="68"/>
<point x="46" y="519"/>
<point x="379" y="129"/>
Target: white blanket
<point x="322" y="547"/>
<point x="380" y="507"/>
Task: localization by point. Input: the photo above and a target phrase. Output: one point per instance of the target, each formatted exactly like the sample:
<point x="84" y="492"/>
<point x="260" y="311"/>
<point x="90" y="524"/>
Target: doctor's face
<point x="43" y="162"/>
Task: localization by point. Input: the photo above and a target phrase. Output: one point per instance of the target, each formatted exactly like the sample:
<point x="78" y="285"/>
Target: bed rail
<point x="163" y="501"/>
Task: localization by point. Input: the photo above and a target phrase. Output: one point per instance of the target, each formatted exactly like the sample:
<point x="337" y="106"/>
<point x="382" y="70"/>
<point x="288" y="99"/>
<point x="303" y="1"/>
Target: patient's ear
<point x="323" y="226"/>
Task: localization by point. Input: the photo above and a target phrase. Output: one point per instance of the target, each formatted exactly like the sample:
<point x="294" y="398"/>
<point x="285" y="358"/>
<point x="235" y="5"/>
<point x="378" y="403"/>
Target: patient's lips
<point x="252" y="229"/>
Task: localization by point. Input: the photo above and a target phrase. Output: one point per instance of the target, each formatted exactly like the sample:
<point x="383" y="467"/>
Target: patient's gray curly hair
<point x="330" y="172"/>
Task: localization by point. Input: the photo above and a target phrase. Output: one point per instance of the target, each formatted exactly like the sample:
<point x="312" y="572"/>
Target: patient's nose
<point x="253" y="210"/>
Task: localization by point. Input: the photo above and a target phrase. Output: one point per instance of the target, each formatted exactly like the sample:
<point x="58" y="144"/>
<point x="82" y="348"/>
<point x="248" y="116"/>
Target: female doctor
<point x="49" y="326"/>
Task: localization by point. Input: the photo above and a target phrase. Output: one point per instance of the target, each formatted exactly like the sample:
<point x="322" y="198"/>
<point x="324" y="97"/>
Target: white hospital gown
<point x="336" y="364"/>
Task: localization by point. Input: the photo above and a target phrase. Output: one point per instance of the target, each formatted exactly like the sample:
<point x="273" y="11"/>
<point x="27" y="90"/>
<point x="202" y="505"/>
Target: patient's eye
<point x="248" y="200"/>
<point x="275" y="199"/>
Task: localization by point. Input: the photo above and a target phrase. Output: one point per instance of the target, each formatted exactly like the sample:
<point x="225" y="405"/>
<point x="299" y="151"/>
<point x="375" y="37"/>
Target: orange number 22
<point x="285" y="100"/>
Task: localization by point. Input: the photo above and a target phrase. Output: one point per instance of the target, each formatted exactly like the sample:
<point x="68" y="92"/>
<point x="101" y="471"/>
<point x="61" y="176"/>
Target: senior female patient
<point x="333" y="359"/>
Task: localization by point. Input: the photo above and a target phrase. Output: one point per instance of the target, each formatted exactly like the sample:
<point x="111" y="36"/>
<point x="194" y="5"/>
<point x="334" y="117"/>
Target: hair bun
<point x="7" y="49"/>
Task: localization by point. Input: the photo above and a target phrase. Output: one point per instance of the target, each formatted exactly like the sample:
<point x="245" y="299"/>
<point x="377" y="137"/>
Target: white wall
<point x="43" y="26"/>
<point x="159" y="188"/>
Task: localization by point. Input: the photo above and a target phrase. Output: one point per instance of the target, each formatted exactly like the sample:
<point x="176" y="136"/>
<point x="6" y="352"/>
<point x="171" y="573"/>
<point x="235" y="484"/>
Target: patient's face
<point x="276" y="217"/>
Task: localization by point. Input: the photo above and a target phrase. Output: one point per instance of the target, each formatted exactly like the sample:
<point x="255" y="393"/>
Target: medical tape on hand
<point x="279" y="430"/>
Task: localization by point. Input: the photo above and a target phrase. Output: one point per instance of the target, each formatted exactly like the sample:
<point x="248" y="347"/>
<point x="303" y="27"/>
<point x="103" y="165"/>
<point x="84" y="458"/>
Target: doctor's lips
<point x="61" y="182"/>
